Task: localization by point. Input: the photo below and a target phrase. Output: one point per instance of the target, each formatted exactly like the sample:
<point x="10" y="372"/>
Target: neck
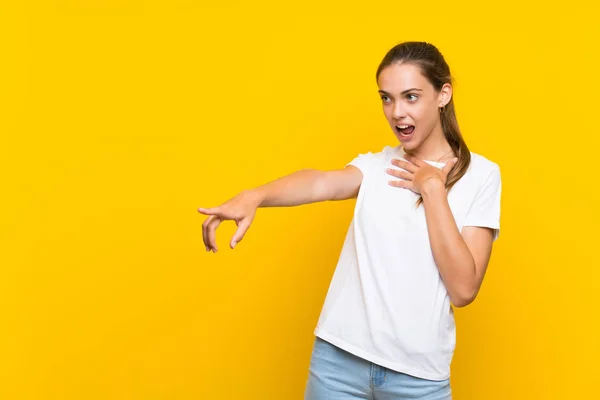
<point x="435" y="148"/>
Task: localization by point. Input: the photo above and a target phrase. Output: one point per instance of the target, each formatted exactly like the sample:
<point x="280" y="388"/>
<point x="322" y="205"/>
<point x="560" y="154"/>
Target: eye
<point x="384" y="97"/>
<point x="412" y="94"/>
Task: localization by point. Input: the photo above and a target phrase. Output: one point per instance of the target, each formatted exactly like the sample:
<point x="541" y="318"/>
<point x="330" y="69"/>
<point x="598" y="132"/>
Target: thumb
<point x="243" y="226"/>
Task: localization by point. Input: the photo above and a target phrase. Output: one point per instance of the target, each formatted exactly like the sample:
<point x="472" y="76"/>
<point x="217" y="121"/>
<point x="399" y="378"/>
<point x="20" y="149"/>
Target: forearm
<point x="300" y="187"/>
<point x="452" y="256"/>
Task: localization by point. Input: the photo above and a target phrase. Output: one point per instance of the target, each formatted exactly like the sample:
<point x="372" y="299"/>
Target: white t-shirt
<point x="387" y="302"/>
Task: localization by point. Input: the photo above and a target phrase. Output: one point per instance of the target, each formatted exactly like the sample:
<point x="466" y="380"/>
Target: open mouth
<point x="405" y="130"/>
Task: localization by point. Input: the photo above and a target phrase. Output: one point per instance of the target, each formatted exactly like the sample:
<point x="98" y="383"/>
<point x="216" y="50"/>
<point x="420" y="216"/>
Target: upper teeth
<point x="402" y="126"/>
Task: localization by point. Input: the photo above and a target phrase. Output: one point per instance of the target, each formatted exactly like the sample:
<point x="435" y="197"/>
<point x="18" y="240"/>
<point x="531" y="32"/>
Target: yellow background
<point x="119" y="118"/>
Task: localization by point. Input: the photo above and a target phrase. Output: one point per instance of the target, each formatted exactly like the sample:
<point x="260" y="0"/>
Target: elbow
<point x="463" y="299"/>
<point x="465" y="292"/>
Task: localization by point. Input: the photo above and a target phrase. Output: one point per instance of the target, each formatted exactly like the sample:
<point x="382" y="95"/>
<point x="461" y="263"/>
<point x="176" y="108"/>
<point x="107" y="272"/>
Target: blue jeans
<point x="336" y="374"/>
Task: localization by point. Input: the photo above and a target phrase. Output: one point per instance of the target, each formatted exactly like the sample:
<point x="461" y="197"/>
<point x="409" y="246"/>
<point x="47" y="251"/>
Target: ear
<point x="445" y="95"/>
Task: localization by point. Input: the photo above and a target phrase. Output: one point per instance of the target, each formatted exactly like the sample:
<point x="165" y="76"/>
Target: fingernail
<point x="206" y="248"/>
<point x="233" y="244"/>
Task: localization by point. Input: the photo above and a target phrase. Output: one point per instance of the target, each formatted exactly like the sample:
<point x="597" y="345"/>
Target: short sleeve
<point x="485" y="209"/>
<point x="362" y="162"/>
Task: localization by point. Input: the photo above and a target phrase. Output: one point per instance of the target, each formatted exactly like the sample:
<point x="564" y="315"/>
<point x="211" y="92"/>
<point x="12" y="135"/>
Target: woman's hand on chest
<point x="416" y="172"/>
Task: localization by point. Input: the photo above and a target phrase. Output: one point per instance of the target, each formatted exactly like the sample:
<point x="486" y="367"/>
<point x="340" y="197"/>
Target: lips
<point x="405" y="129"/>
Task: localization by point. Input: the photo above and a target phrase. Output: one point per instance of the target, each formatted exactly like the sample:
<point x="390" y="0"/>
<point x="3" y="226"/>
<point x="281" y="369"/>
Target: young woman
<point x="426" y="215"/>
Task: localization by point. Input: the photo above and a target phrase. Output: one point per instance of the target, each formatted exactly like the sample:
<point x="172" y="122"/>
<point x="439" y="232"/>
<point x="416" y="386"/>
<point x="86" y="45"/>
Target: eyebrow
<point x="406" y="91"/>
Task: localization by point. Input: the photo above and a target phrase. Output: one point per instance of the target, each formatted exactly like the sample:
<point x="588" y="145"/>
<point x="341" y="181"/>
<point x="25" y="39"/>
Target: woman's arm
<point x="461" y="259"/>
<point x="301" y="187"/>
<point x="308" y="186"/>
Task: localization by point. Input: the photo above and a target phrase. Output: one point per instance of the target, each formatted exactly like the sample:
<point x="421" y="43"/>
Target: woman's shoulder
<point x="378" y="153"/>
<point x="482" y="171"/>
<point x="482" y="164"/>
<point x="385" y="150"/>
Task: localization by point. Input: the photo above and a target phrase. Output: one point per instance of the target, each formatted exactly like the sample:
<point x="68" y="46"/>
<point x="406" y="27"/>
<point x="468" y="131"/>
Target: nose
<point x="397" y="111"/>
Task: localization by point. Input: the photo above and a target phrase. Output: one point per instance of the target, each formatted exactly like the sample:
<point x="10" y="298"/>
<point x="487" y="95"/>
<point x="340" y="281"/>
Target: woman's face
<point x="409" y="99"/>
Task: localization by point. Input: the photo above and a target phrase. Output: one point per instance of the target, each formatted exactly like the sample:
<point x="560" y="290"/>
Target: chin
<point x="410" y="145"/>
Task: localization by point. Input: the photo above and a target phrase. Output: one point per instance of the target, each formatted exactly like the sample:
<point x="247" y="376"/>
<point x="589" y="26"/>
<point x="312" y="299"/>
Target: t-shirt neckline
<point x="401" y="149"/>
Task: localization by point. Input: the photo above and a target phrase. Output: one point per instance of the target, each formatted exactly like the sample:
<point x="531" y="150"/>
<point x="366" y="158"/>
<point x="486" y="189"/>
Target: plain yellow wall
<point x="118" y="119"/>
